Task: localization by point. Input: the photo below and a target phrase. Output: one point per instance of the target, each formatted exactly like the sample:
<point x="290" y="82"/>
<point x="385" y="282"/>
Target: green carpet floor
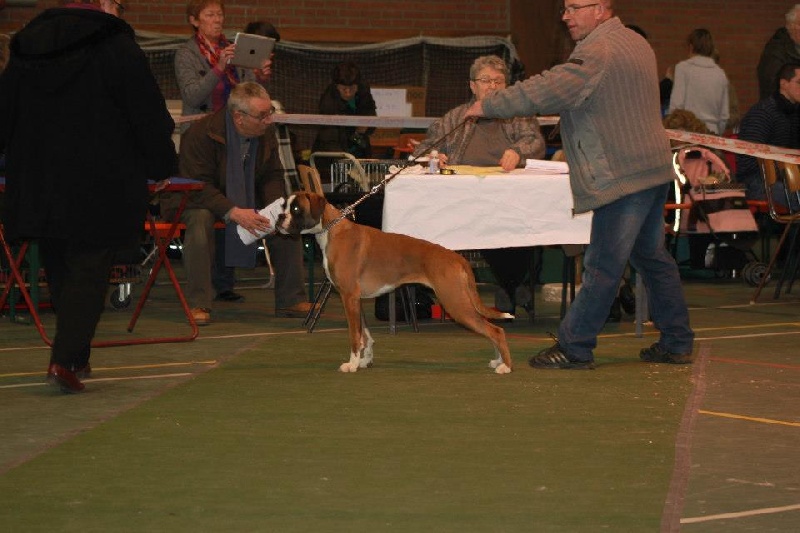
<point x="252" y="428"/>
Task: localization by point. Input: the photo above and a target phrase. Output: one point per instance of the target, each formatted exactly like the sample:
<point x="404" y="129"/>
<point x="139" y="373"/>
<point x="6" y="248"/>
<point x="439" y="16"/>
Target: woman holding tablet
<point x="203" y="66"/>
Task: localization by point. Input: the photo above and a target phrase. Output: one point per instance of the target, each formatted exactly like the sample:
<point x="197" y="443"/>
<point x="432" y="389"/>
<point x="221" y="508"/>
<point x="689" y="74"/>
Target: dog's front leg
<point x="352" y="310"/>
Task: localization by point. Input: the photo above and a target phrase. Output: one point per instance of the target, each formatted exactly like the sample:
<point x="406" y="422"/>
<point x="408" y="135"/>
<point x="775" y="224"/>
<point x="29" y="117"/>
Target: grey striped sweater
<point x="608" y="99"/>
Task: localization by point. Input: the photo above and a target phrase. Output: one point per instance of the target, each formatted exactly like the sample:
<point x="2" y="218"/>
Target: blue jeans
<point x="631" y="228"/>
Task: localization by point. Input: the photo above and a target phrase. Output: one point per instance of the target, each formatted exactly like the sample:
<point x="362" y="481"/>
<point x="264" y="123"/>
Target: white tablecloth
<point x="468" y="212"/>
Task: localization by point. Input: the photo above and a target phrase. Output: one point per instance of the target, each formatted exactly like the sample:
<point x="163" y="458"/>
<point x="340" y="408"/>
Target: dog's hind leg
<point x="463" y="303"/>
<point x="498" y="359"/>
<point x="502" y="361"/>
<point x="471" y="319"/>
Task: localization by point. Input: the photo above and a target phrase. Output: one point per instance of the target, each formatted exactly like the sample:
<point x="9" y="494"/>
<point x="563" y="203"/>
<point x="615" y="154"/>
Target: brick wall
<point x="740" y="27"/>
<point x="414" y="16"/>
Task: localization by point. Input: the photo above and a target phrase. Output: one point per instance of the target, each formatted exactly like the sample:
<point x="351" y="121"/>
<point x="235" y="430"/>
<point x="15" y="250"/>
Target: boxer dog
<point x="363" y="262"/>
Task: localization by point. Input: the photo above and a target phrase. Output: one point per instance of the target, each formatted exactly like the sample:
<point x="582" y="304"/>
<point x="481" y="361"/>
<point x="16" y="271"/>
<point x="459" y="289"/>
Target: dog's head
<point x="302" y="214"/>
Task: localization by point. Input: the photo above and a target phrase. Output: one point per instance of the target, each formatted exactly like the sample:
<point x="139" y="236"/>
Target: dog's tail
<point x="487" y="312"/>
<point x="492" y="313"/>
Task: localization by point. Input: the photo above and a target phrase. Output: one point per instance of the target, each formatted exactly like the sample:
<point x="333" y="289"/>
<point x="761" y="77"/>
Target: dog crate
<point x="360" y="175"/>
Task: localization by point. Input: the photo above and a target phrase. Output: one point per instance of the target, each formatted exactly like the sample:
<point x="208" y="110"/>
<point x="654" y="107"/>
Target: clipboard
<point x="252" y="50"/>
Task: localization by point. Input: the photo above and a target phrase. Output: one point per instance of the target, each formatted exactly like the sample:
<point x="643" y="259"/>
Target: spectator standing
<point x="700" y="85"/>
<point x="85" y="125"/>
<point x="782" y="48"/>
<point x="620" y="168"/>
<point x="202" y="64"/>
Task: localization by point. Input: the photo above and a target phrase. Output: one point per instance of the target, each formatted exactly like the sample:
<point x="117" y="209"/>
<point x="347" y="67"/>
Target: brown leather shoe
<point x="298" y="310"/>
<point x="202" y="316"/>
<point x="64" y="379"/>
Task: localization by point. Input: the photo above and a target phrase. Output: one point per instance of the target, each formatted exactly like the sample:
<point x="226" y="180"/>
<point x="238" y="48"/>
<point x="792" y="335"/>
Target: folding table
<point x="469" y="212"/>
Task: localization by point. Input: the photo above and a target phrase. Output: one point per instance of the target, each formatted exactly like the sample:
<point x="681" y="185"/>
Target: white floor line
<point x="127" y="367"/>
<point x="98" y="380"/>
<point x="742" y="514"/>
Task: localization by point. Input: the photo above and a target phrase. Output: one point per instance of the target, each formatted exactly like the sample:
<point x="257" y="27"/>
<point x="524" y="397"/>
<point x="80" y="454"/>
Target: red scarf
<point x="211" y="51"/>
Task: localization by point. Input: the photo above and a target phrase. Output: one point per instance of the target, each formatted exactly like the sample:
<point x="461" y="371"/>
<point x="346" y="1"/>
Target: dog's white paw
<point x="494" y="363"/>
<point x="347" y="367"/>
<point x="502" y="368"/>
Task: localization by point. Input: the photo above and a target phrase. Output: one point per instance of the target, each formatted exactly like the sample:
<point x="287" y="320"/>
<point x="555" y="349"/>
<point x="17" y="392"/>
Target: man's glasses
<point x="262" y="117"/>
<point x="570" y="10"/>
<point x="491" y="82"/>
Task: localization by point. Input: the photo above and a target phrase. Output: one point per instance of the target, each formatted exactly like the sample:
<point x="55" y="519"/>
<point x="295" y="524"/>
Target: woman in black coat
<point x="84" y="126"/>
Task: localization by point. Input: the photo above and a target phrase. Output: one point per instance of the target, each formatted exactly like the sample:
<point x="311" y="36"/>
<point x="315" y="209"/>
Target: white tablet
<point x="252" y="50"/>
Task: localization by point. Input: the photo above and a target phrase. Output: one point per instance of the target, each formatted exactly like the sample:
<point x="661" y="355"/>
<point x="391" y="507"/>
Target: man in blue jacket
<point x="773" y="120"/>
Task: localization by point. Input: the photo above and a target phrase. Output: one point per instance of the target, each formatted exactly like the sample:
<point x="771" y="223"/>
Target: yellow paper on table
<point x="477" y="171"/>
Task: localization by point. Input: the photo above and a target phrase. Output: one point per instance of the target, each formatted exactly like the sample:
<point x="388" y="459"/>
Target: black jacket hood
<point x="56" y="45"/>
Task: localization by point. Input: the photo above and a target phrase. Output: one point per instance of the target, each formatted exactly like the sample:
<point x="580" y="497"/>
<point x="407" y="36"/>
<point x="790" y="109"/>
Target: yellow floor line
<point x="749" y="336"/>
<point x="134" y="367"/>
<point x="750" y="418"/>
<point x="742" y="514"/>
<point x="97" y="380"/>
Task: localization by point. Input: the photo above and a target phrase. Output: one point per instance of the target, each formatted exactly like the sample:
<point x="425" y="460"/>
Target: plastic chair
<point x="309" y="179"/>
<point x="310" y="182"/>
<point x="773" y="171"/>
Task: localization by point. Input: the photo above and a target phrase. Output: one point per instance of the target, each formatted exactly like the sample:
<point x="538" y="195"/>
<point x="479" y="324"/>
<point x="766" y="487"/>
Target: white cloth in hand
<point x="272" y="211"/>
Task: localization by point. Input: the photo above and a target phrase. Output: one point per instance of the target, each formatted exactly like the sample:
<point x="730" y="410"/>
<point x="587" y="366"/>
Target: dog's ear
<point x="317" y="203"/>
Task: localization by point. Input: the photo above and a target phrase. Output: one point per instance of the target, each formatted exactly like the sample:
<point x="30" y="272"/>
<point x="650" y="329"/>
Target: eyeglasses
<point x="491" y="82"/>
<point x="570" y="10"/>
<point x="262" y="117"/>
<point x="121" y="8"/>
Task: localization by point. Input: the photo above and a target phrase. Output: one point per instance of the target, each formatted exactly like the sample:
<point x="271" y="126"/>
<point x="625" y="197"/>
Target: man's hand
<point x="509" y="160"/>
<point x="251" y="221"/>
<point x="475" y="110"/>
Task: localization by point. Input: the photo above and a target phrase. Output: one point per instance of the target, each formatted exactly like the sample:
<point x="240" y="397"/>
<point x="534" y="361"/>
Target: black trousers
<point x="77" y="275"/>
<point x="511" y="266"/>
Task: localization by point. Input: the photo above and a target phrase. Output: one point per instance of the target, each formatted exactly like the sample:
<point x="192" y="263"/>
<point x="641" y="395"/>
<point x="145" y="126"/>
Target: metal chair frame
<point x="773" y="171"/>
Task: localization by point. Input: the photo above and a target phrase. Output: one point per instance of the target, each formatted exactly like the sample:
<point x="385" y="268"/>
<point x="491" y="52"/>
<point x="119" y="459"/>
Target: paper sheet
<point x="272" y="211"/>
<point x="547" y="167"/>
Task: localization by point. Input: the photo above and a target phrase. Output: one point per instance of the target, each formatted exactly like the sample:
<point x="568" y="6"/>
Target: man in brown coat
<point x="234" y="151"/>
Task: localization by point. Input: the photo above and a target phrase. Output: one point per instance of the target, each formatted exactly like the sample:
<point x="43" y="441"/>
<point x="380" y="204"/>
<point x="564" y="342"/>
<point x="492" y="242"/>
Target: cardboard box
<point x="415" y="97"/>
